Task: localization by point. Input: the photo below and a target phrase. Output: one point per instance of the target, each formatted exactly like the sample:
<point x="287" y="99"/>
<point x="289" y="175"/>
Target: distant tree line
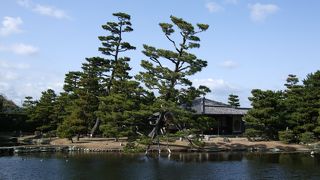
<point x="291" y="115"/>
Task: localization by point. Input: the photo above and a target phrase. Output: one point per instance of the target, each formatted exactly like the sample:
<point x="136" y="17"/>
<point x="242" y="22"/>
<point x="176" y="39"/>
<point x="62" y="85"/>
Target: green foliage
<point x="132" y="147"/>
<point x="72" y="125"/>
<point x="252" y="133"/>
<point x="167" y="70"/>
<point x="287" y="136"/>
<point x="266" y="115"/>
<point x="233" y="100"/>
<point x="145" y="140"/>
<point x="203" y="123"/>
<point x="307" y="137"/>
<point x="296" y="108"/>
<point x="198" y="143"/>
<point x="121" y="108"/>
<point x="42" y="113"/>
<point x="317" y="131"/>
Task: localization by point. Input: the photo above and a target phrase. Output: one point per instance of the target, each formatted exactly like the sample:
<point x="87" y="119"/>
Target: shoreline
<point x="108" y="145"/>
<point x="67" y="149"/>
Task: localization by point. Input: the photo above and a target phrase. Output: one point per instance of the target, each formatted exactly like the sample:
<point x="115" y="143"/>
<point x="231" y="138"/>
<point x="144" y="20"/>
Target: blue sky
<point x="250" y="43"/>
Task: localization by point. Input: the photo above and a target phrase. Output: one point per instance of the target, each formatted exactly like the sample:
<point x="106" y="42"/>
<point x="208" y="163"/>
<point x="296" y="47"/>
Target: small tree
<point x="233" y="100"/>
<point x="42" y="112"/>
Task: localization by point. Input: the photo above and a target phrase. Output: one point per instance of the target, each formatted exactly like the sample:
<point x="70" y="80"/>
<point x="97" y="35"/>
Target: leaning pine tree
<point x="167" y="71"/>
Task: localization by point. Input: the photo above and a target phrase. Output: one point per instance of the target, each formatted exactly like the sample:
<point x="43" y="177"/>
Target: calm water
<point x="177" y="166"/>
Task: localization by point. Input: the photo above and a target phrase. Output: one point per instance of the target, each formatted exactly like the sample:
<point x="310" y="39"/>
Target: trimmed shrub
<point x="307" y="137"/>
<point x="286" y="136"/>
<point x="131" y="147"/>
<point x="199" y="143"/>
<point x="252" y="133"/>
<point x="144" y="140"/>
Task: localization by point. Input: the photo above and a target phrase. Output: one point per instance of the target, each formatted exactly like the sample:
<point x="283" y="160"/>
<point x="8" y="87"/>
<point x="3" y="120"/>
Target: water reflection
<point x="200" y="157"/>
<point x="227" y="165"/>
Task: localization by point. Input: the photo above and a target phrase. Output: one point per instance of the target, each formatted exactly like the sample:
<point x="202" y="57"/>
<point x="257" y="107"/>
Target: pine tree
<point x="43" y="112"/>
<point x="233" y="100"/>
<point x="104" y="81"/>
<point x="81" y="97"/>
<point x="121" y="108"/>
<point x="167" y="71"/>
<point x="266" y="115"/>
<point x="311" y="102"/>
<point x="293" y="103"/>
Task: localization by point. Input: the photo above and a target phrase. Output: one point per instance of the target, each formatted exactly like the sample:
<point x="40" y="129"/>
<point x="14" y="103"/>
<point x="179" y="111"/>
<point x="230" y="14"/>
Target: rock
<point x="275" y="150"/>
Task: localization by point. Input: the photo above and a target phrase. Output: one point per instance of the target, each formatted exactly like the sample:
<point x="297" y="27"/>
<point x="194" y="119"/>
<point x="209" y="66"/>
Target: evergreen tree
<point x="266" y="115"/>
<point x="43" y="112"/>
<point x="293" y="102"/>
<point x="74" y="123"/>
<point x="104" y="90"/>
<point x="311" y="101"/>
<point x="113" y="44"/>
<point x="167" y="71"/>
<point x="233" y="100"/>
<point x="80" y="100"/>
<point x="120" y="108"/>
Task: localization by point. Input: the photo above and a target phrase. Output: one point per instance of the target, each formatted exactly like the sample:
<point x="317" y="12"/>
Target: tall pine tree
<point x="119" y="108"/>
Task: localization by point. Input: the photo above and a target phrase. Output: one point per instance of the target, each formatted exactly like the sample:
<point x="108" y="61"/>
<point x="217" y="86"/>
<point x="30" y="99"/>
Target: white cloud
<point x="8" y="75"/>
<point x="259" y="12"/>
<point x="50" y="11"/>
<point x="20" y="49"/>
<point x="221" y="89"/>
<point x="214" y="7"/>
<point x="229" y="64"/>
<point x="10" y="25"/>
<point x="9" y="71"/>
<point x="28" y="83"/>
<point x="24" y="3"/>
<point x="8" y="65"/>
<point x="24" y="49"/>
<point x="44" y="9"/>
<point x="233" y="2"/>
<point x="214" y="84"/>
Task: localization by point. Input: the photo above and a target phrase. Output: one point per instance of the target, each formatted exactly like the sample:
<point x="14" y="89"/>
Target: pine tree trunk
<point x="95" y="127"/>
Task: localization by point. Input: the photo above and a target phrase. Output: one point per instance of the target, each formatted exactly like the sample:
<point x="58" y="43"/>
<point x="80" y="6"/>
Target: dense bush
<point x="132" y="147"/>
<point x="144" y="140"/>
<point x="199" y="143"/>
<point x="286" y="136"/>
<point x="307" y="137"/>
<point x="252" y="133"/>
<point x="317" y="131"/>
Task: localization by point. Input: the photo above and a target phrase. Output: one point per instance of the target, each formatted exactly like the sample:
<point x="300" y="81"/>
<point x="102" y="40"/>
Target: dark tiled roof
<point x="207" y="106"/>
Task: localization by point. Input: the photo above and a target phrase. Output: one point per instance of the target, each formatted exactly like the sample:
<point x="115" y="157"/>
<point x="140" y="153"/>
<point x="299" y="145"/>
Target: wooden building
<point x="228" y="119"/>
